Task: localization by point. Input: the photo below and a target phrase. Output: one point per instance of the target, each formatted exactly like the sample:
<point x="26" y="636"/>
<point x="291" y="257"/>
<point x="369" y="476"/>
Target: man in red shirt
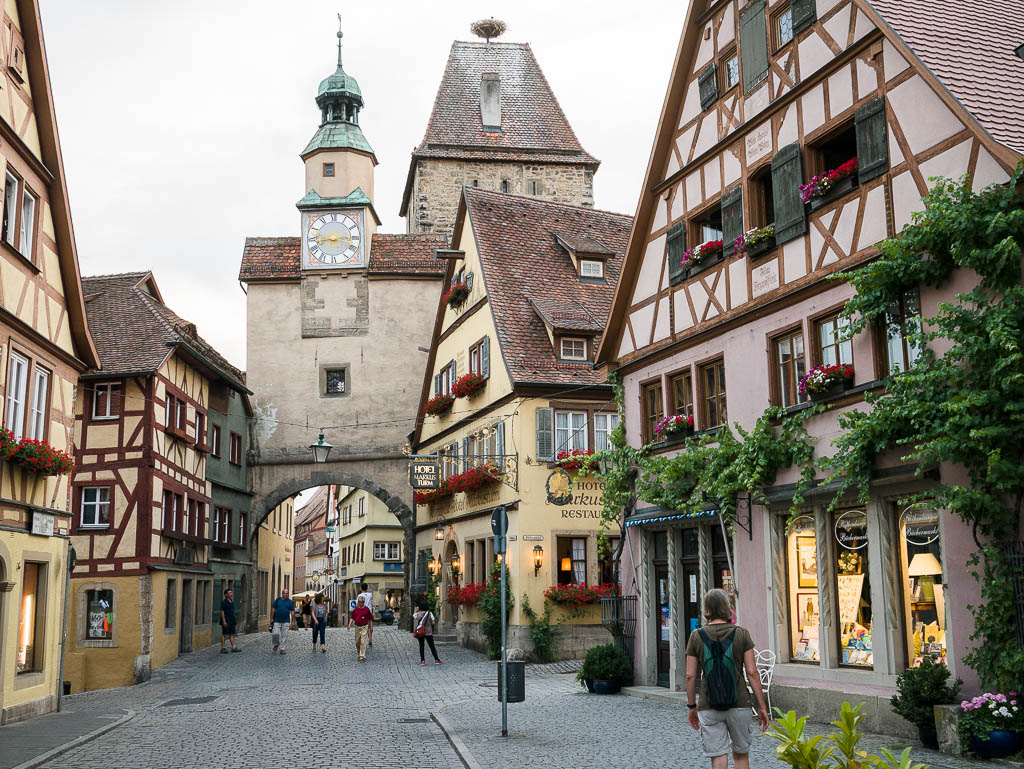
<point x="363" y="619"/>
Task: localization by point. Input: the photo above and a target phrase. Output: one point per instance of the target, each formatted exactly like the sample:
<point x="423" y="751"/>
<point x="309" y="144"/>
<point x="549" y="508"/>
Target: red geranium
<point x="443" y="491"/>
<point x="467" y="385"/>
<point x="575" y="459"/>
<point x="466" y="595"/>
<point x="457" y="294"/>
<point x="439" y="404"/>
<point x="41" y="458"/>
<point x="475" y="478"/>
<point x="579" y="594"/>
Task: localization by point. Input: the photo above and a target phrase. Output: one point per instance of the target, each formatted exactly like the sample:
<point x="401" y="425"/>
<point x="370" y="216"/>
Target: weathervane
<point x="488" y="28"/>
<point x="340" y="35"/>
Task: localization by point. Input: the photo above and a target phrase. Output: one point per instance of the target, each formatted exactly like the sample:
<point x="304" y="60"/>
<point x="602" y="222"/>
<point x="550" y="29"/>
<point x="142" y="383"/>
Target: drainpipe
<point x="68" y="566"/>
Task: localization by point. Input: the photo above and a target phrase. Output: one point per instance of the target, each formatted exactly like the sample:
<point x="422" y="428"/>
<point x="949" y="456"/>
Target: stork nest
<point x="488" y="28"/>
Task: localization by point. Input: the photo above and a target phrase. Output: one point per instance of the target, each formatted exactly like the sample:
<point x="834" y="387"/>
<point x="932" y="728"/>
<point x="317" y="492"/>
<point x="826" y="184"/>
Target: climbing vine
<point x="961" y="403"/>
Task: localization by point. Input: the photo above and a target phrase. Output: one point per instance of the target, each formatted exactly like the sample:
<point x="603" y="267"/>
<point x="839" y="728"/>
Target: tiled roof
<point x="320" y="548"/>
<point x="279" y="258"/>
<point x="315" y="506"/>
<point x="528" y="274"/>
<point x="135" y="331"/>
<point x="583" y="245"/>
<point x="970" y="48"/>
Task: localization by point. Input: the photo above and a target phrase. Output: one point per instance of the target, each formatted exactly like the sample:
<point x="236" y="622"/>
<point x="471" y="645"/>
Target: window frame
<point x="703" y="412"/>
<point x="777" y="387"/>
<point x="723" y="69"/>
<point x="215" y="439"/>
<point x="611" y="418"/>
<point x="233" y="458"/>
<point x="27" y="231"/>
<point x="38" y="427"/>
<point x="776" y="29"/>
<point x="572" y="340"/>
<point x="361" y="507"/>
<point x="687" y="409"/>
<point x="325" y="374"/>
<point x="171" y="606"/>
<point x="572" y="539"/>
<point x="17" y="408"/>
<point x="39" y="628"/>
<point x="328" y="170"/>
<point x="9" y="232"/>
<point x="84" y="640"/>
<point x="592" y="263"/>
<point x="113" y="412"/>
<point x="886" y="338"/>
<point x="817" y="349"/>
<point x="573" y="433"/>
<point x="96" y="524"/>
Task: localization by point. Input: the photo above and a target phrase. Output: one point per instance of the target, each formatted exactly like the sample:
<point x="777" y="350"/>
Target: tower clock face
<point x="333" y="239"/>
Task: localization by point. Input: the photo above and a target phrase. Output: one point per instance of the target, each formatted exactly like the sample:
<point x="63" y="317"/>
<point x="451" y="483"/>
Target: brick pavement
<point x="315" y="710"/>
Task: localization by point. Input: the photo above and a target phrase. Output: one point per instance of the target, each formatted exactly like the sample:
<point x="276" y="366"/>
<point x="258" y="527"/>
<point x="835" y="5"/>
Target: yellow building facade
<point x="44" y="347"/>
<point x="274" y="558"/>
<point x="526" y="327"/>
<point x="370" y="549"/>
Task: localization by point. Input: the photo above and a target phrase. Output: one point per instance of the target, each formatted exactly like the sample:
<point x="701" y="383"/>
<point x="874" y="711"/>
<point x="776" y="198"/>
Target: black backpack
<point x="719" y="666"/>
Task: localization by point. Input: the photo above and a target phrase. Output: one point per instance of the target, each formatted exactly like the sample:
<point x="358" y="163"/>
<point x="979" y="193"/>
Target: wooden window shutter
<point x="676" y="246"/>
<point x="545" y="435"/>
<point x="872" y="146"/>
<point x="707" y="85"/>
<point x="469" y="281"/>
<point x="804" y="14"/>
<point x="787" y="176"/>
<point x="437" y="384"/>
<point x="499" y="441"/>
<point x="754" y="45"/>
<point x="732" y="218"/>
<point x="485" y="357"/>
<point x="452" y="364"/>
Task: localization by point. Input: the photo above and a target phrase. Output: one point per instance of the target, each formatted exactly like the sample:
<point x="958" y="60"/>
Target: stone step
<point x="446" y="640"/>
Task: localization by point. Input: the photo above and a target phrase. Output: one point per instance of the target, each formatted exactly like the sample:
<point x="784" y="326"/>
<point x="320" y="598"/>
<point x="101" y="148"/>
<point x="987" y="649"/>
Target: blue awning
<point x="664" y="516"/>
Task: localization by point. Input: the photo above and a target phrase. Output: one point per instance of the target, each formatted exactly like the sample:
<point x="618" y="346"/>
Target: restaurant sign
<point x="424" y="474"/>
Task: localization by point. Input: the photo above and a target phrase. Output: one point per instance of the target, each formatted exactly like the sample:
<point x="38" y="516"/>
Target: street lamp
<point x="434" y="566"/>
<point x="439" y="532"/>
<point x="320" y="450"/>
<point x="456" y="563"/>
<point x="538" y="559"/>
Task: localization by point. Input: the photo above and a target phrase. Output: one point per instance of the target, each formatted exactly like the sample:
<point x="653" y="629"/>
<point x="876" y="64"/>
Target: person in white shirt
<point x="367" y="597"/>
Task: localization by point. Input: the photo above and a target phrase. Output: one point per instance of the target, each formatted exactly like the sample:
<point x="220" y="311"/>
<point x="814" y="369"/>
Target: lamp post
<point x="538" y="559"/>
<point x="320" y="450"/>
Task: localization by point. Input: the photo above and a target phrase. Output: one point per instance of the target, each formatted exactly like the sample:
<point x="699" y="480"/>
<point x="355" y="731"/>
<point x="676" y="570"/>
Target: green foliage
<point x="803" y="752"/>
<point x="962" y="402"/>
<point x="920" y="689"/>
<point x="490" y="612"/>
<point x="430" y="597"/>
<point x="605" y="663"/>
<point x="542" y="633"/>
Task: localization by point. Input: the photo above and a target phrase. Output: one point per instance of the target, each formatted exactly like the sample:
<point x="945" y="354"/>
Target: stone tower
<point x="497" y="125"/>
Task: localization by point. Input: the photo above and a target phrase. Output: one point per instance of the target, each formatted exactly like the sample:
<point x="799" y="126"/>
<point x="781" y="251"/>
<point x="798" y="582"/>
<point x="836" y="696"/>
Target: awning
<point x="650" y="516"/>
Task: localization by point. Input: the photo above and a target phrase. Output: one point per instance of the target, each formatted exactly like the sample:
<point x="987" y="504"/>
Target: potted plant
<point x="439" y="404"/>
<point x="991" y="724"/>
<point x="575" y="459"/>
<point x="607" y="667"/>
<point x="675" y="425"/>
<point x="576" y="595"/>
<point x="919" y="690"/>
<point x="41" y="458"/>
<point x="755" y="242"/>
<point x="467" y="385"/>
<point x="823" y="382"/>
<point x="831" y="184"/>
<point x="457" y="294"/>
<point x="701" y="257"/>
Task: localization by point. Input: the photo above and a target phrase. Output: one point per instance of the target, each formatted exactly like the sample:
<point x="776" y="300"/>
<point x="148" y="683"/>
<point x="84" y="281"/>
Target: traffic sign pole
<point x="504" y="626"/>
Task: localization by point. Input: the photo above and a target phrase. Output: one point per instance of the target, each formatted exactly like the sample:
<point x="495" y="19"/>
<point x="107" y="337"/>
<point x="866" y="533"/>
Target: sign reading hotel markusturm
<point x="920" y="524"/>
<point x="424" y="474"/>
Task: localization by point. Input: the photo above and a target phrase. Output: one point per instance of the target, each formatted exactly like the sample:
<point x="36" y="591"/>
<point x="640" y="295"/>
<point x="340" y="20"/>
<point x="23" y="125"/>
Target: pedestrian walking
<point x="367" y="595"/>
<point x="717" y="654"/>
<point x="227" y="621"/>
<point x="306" y="618"/>
<point x="319" y="617"/>
<point x="283" y="610"/>
<point x="423" y="623"/>
<point x="362" y="617"/>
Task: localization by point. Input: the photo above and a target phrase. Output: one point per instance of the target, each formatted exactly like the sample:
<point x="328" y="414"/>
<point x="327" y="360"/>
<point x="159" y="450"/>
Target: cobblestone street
<point x="312" y="710"/>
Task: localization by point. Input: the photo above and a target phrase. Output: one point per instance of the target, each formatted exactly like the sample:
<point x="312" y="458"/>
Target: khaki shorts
<point x="725" y="730"/>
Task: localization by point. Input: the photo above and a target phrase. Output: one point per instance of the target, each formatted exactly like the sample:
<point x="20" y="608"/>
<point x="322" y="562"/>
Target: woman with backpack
<point x="717" y="654"/>
<point x="318" y="615"/>
<point x="423" y="630"/>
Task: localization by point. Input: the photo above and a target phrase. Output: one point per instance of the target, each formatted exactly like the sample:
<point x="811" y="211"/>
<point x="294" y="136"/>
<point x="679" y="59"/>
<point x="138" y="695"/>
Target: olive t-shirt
<point x="741" y="642"/>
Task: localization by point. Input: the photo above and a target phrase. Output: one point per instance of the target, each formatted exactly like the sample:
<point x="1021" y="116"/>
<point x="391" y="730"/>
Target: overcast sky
<point x="181" y="122"/>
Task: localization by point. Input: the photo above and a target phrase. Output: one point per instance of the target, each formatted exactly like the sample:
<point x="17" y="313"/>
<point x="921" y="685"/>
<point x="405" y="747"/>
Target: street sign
<point x="497" y="526"/>
<point x="424" y="474"/>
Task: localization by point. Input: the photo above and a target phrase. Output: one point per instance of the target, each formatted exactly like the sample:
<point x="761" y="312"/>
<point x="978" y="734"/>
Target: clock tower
<point x="337" y="216"/>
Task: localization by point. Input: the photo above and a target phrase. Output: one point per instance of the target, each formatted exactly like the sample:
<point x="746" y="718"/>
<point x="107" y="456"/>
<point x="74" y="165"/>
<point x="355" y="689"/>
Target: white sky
<point x="181" y="122"/>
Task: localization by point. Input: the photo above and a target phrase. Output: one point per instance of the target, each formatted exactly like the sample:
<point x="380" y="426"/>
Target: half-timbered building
<point x="142" y="590"/>
<point x="44" y="346"/>
<point x="795" y="135"/>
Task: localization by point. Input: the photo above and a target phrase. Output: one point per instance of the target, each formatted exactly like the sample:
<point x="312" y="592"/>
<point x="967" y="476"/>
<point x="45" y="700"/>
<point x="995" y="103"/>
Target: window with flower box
<point x="604" y="424"/>
<point x="789" y="367"/>
<point x="654" y="410"/>
<point x="680" y="388"/>
<point x="17" y="386"/>
<point x="713" y="405"/>
<point x="833" y="345"/>
<point x="571" y="555"/>
<point x="94" y="507"/>
<point x="37" y="421"/>
<point x="570" y="431"/>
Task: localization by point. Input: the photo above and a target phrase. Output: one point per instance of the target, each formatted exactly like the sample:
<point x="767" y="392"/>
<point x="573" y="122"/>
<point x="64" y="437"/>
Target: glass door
<point x="662" y="618"/>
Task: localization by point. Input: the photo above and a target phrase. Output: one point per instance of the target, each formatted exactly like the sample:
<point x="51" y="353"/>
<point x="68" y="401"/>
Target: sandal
<point x="223" y="650"/>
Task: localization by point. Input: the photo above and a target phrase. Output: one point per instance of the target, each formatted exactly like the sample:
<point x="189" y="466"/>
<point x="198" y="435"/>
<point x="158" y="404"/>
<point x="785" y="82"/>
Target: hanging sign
<point x="852" y="529"/>
<point x="920" y="524"/>
<point x="559" y="487"/>
<point x="423" y="474"/>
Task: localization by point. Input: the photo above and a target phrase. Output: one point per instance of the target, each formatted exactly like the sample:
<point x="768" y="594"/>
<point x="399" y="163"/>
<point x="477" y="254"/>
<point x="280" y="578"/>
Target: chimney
<point x="490" y="101"/>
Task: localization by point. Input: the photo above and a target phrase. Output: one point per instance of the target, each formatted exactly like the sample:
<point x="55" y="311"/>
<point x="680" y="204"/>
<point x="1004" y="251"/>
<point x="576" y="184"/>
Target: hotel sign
<point x="424" y="474"/>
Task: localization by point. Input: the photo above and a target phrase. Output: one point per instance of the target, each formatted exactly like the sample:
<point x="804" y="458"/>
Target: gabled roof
<point x="969" y="47"/>
<point x="280" y="259"/>
<point x="529" y="278"/>
<point x="315" y="507"/>
<point x="320" y="548"/>
<point x="135" y="332"/>
<point x="533" y="126"/>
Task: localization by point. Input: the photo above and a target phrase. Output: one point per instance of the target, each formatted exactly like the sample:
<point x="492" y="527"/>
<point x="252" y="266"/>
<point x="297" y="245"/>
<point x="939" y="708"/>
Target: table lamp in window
<point x="925" y="567"/>
<point x="566" y="564"/>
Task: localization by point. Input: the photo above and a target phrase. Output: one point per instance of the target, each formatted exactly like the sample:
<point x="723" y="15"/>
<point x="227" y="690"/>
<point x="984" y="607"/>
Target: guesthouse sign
<point x="423" y="474"/>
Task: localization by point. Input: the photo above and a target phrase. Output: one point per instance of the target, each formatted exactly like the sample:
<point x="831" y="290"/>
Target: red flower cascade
<point x="467" y="385"/>
<point x="579" y="594"/>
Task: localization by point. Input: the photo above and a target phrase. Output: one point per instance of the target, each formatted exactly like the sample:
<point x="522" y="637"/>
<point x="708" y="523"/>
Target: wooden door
<point x="185" y="638"/>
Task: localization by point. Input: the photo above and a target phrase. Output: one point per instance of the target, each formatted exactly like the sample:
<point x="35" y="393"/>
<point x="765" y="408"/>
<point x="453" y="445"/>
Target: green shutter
<point x="872" y="147"/>
<point x="787" y="176"/>
<point x="499" y="441"/>
<point x="754" y="46"/>
<point x="707" y="84"/>
<point x="676" y="246"/>
<point x="804" y="14"/>
<point x="545" y="435"/>
<point x="732" y="218"/>
<point x="485" y="357"/>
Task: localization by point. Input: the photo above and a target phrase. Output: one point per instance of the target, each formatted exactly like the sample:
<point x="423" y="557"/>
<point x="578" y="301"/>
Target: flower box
<point x="574" y="595"/>
<point x="833" y="390"/>
<point x="438" y="405"/>
<point x="760" y="248"/>
<point x="831" y="184"/>
<point x="699" y="258"/>
<point x="468" y="385"/>
<point x="575" y="459"/>
<point x="430" y="496"/>
<point x="475" y="478"/>
<point x="755" y="241"/>
<point x="457" y="294"/>
<point x="837" y="191"/>
<point x="41" y="458"/>
<point x="823" y="382"/>
<point x="675" y="427"/>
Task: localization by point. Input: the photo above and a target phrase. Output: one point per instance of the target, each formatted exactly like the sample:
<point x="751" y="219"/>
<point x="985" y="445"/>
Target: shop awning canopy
<point x="652" y="515"/>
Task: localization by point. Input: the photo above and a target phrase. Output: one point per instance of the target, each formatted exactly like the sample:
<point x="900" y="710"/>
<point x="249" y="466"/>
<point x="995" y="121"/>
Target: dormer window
<point x="573" y="348"/>
<point x="591" y="268"/>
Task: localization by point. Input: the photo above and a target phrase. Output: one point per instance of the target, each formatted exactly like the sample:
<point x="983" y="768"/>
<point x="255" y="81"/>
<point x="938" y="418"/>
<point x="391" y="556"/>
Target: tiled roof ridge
<point x="541" y="202"/>
<point x="272" y="238"/>
<point x="116" y="275"/>
<point x="437" y="99"/>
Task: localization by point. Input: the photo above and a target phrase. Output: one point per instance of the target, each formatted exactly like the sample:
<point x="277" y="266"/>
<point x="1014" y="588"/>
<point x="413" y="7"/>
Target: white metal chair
<point x="764" y="659"/>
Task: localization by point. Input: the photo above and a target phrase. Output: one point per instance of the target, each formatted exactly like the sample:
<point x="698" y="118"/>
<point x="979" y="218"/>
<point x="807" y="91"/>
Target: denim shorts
<point x="725" y="730"/>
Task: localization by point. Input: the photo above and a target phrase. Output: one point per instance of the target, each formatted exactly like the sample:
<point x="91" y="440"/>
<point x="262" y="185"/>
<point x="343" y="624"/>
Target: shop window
<point x="31" y="618"/>
<point x="680" y="388"/>
<point x="171" y="605"/>
<point x="802" y="584"/>
<point x="572" y="560"/>
<point x="654" y="411"/>
<point x="607" y="565"/>
<point x="838" y="147"/>
<point x="902" y="316"/>
<point x="853" y="589"/>
<point x="924" y="593"/>
<point x="762" y="200"/>
<point x="99" y="607"/>
<point x="790" y="367"/>
<point x="834" y="345"/>
<point x="604" y="424"/>
<point x="570" y="431"/>
<point x="712" y="380"/>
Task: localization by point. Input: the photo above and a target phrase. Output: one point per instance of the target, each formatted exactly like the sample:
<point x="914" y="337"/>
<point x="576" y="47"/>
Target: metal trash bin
<point x="516" y="681"/>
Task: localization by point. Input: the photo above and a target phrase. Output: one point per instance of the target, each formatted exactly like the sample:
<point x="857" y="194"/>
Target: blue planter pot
<point x="998" y="744"/>
<point x="606" y="687"/>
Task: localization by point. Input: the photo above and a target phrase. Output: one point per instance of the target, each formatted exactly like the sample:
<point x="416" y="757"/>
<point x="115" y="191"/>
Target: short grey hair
<point x="717" y="605"/>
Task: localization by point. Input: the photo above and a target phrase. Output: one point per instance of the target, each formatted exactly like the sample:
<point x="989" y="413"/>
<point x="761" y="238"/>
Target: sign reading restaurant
<point x="423" y="474"/>
<point x="581" y="500"/>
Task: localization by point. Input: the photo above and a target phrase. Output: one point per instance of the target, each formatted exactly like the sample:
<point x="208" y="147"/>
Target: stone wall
<point x="438" y="184"/>
<point x="572" y="644"/>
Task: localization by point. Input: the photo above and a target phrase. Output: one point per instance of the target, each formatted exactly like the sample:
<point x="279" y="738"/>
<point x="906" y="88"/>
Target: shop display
<point x="924" y="593"/>
<point x="804" y="608"/>
<point x="853" y="589"/>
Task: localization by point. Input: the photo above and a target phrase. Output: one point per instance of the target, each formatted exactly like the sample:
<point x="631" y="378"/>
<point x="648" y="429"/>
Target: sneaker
<point x="437" y="662"/>
<point x="422" y="662"/>
<point x="223" y="650"/>
<point x="282" y="651"/>
<point x="323" y="649"/>
<point x="274" y="650"/>
<point x="233" y="651"/>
